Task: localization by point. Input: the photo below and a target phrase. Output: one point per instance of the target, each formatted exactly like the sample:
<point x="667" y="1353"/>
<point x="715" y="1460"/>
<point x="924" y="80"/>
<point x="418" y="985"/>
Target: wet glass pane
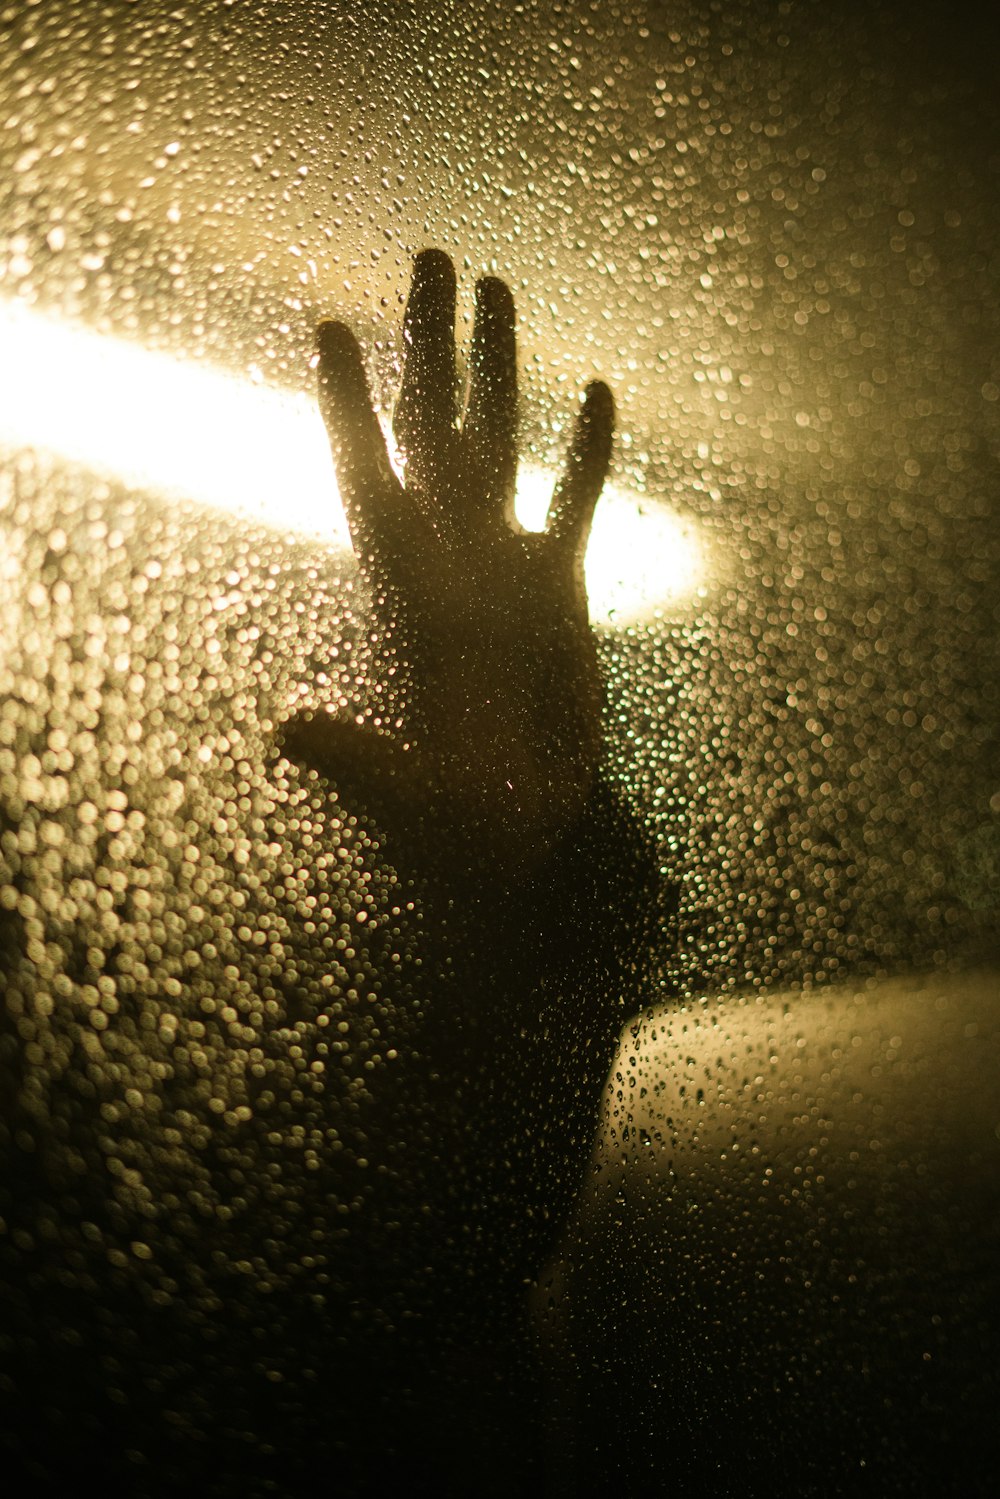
<point x="444" y="1044"/>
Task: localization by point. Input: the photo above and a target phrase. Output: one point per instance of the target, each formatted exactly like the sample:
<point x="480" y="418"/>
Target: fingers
<point x="579" y="489"/>
<point x="359" y="452"/>
<point x="424" y="420"/>
<point x="489" y="427"/>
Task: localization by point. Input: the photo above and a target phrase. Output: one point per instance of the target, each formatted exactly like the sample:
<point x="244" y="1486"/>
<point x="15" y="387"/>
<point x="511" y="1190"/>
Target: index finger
<point x="364" y="474"/>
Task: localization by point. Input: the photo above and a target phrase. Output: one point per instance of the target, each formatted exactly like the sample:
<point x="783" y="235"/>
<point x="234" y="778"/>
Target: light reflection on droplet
<point x="177" y="427"/>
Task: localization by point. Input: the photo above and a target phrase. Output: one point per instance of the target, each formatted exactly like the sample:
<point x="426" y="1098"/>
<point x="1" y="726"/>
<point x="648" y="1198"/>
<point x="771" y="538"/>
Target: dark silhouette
<point x="327" y="1288"/>
<point x="485" y="778"/>
<point x="359" y="1323"/>
<point x="498" y="749"/>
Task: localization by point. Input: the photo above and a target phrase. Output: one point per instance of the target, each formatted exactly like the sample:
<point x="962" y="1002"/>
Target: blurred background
<point x="772" y="229"/>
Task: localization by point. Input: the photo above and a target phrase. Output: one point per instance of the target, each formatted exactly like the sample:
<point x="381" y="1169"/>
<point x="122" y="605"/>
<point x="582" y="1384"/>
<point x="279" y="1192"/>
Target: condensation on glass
<point x="771" y="229"/>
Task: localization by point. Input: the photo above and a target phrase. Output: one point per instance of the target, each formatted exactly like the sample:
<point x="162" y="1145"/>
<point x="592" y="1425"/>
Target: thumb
<point x="369" y="771"/>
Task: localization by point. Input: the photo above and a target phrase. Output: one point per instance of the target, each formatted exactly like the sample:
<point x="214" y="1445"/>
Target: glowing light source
<point x="176" y="427"/>
<point x="640" y="555"/>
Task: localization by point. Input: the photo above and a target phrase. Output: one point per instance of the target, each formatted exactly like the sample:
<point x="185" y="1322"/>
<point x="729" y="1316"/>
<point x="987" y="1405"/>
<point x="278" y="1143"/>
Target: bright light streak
<point x="179" y="428"/>
<point x="640" y="556"/>
<point x="174" y="427"/>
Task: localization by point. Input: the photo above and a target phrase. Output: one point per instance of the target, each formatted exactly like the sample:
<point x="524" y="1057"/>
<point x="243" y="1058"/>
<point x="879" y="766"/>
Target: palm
<point x="486" y="624"/>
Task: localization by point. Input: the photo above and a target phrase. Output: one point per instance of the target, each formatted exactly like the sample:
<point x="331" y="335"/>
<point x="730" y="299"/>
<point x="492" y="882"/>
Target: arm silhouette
<point x="487" y="782"/>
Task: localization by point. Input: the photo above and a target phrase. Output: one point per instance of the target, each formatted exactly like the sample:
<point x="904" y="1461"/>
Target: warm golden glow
<point x="177" y="427"/>
<point x="640" y="556"/>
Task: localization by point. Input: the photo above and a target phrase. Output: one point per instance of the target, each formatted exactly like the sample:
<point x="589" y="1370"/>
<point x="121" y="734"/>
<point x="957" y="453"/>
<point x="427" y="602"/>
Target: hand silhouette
<point x="482" y="624"/>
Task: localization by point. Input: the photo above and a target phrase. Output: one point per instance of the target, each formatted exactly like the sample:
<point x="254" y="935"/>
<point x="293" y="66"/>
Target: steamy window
<point x="462" y="1018"/>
